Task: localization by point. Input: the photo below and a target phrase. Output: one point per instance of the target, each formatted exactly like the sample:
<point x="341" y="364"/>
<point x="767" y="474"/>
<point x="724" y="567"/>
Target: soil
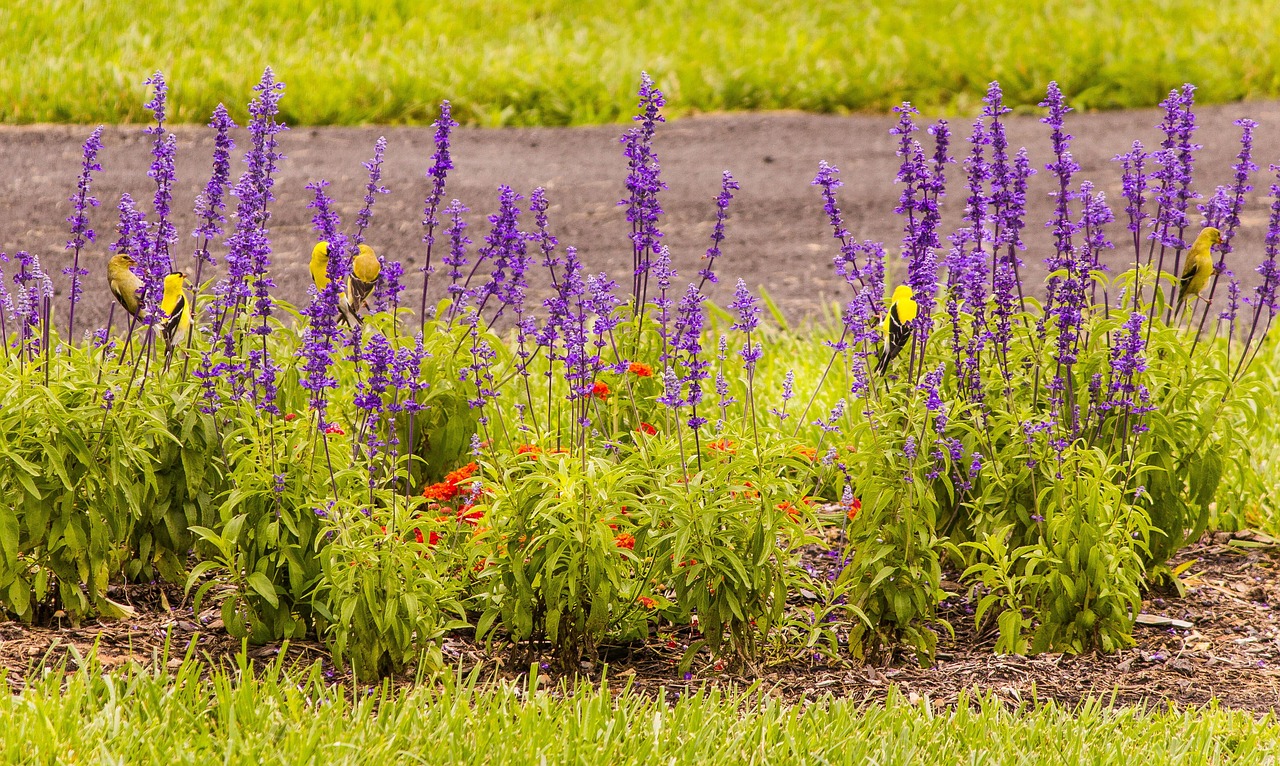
<point x="778" y="236"/>
<point x="1230" y="652"/>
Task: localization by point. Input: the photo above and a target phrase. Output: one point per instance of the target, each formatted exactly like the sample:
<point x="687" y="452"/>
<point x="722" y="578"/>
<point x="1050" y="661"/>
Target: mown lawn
<point x="146" y="718"/>
<point x="548" y="62"/>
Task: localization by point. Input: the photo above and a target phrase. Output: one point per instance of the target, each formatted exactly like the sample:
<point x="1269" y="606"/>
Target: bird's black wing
<point x="171" y="323"/>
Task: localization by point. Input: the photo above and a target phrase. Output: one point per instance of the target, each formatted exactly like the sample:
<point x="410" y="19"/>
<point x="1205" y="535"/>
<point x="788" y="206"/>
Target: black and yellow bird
<point x="124" y="284"/>
<point x="1199" y="267"/>
<point x="175" y="310"/>
<point x="897" y="325"/>
<point x="365" y="269"/>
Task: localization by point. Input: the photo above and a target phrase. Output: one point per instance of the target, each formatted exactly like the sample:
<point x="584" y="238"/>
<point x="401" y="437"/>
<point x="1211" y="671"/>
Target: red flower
<point x="647" y="428"/>
<point x="625" y="540"/>
<point x="855" y="505"/>
<point x="470" y="515"/>
<point x="417" y="535"/>
<point x="600" y="390"/>
<point x="334" y="428"/>
<point x="647" y="602"/>
<point x="290" y="417"/>
<point x="640" y="370"/>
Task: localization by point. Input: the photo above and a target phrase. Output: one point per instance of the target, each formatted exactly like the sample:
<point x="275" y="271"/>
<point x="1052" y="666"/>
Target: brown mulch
<point x="1230" y="653"/>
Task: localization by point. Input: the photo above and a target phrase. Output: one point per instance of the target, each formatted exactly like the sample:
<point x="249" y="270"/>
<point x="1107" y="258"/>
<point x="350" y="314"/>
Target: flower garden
<point x="514" y="447"/>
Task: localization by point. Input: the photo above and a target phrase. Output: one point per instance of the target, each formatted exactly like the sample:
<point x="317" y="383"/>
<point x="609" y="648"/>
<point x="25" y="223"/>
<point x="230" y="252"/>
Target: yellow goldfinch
<point x="124" y="284"/>
<point x="175" y="312"/>
<point x="320" y="277"/>
<point x="1199" y="268"/>
<point x="365" y="269"/>
<point x="897" y="328"/>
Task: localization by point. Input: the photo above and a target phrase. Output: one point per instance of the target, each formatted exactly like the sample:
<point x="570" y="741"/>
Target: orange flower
<point x="640" y="370"/>
<point x="647" y="602"/>
<point x="855" y="505"/>
<point x="647" y="428"/>
<point x="461" y="474"/>
<point x="442" y="491"/>
<point x="600" y="390"/>
<point x="625" y="540"/>
<point x="792" y="512"/>
<point x="722" y="445"/>
<point x="528" y="449"/>
<point x="810" y="453"/>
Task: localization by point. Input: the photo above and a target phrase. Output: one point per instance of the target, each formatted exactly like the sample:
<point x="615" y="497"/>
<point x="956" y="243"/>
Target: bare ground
<point x="1230" y="653"/>
<point x="778" y="237"/>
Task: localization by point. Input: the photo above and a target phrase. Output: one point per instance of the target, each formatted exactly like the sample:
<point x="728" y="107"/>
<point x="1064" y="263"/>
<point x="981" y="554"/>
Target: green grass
<point x="143" y="718"/>
<point x="541" y="62"/>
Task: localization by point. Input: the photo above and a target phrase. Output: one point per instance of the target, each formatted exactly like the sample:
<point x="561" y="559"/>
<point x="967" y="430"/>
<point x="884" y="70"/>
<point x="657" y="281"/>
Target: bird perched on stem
<point x="365" y="269"/>
<point x="1199" y="268"/>
<point x="897" y="325"/>
<point x="175" y="309"/>
<point x="124" y="284"/>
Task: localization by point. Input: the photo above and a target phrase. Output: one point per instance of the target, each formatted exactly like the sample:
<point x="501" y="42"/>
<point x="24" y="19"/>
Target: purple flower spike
<point x="727" y="187"/>
<point x="644" y="183"/>
<point x="212" y="202"/>
<point x="441" y="164"/>
<point x="744" y="303"/>
<point x="318" y="337"/>
<point x="81" y="233"/>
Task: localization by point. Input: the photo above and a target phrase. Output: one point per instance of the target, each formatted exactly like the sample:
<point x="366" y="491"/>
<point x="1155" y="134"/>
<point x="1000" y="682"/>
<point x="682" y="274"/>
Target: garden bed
<point x="1231" y="653"/>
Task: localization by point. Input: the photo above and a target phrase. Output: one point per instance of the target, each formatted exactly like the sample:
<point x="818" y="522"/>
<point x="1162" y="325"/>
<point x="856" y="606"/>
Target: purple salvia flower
<point x="788" y="390"/>
<point x="547" y="242"/>
<point x="318" y="336"/>
<point x="846" y="262"/>
<point x="441" y="164"/>
<point x="211" y="203"/>
<point x="248" y="246"/>
<point x="1174" y="176"/>
<point x="744" y="303"/>
<point x="727" y="187"/>
<point x="371" y="189"/>
<point x="643" y="185"/>
<point x="831" y="424"/>
<point x="158" y="262"/>
<point x="689" y="323"/>
<point x="505" y="248"/>
<point x="456" y="259"/>
<point x="390" y="285"/>
<point x="1269" y="270"/>
<point x="81" y="233"/>
<point x="1134" y="186"/>
<point x="1063" y="168"/>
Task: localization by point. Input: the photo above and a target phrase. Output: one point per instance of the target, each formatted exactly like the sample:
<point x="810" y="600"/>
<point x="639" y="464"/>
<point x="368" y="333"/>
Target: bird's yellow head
<point x="320" y="253"/>
<point x="1213" y="235"/>
<point x="174" y="280"/>
<point x="901" y="293"/>
<point x="366" y="250"/>
<point x="124" y="258"/>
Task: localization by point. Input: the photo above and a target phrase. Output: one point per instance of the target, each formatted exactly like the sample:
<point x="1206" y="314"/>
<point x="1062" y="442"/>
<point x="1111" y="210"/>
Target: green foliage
<point x="558" y="63"/>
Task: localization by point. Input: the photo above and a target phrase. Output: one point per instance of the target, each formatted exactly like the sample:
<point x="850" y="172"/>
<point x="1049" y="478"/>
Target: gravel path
<point x="777" y="236"/>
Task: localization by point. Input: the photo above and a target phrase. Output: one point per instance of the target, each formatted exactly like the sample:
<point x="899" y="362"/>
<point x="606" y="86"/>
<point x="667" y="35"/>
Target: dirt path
<point x="777" y="236"/>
